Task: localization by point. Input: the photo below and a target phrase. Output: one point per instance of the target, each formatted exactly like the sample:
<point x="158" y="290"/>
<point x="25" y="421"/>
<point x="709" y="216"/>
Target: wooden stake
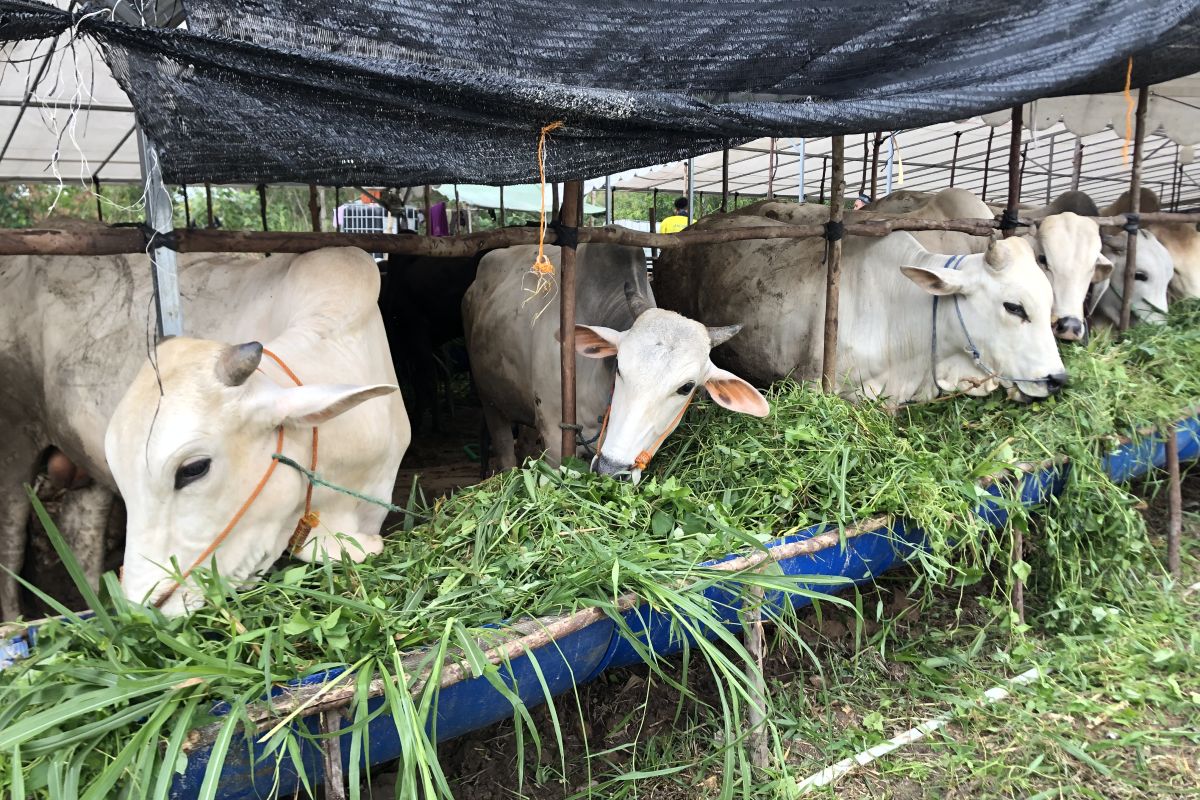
<point x="208" y="204"/>
<point x="1077" y="164"/>
<point x="187" y="209"/>
<point x="1018" y="590"/>
<point x="1135" y="206"/>
<point x="501" y="206"/>
<point x="262" y="204"/>
<point x="1174" y="503"/>
<point x="875" y="166"/>
<point x="862" y="183"/>
<point x="755" y="639"/>
<point x="428" y="211"/>
<point x="99" y="197"/>
<point x="824" y="168"/>
<point x="331" y="748"/>
<point x="987" y="164"/>
<point x="954" y="158"/>
<point x="833" y="267"/>
<point x="1015" y="164"/>
<point x="569" y="216"/>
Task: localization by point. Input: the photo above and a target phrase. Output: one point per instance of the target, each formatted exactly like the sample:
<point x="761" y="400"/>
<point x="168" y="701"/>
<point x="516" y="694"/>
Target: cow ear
<point x="305" y="406"/>
<point x="730" y="391"/>
<point x="1104" y="269"/>
<point x="595" y="341"/>
<point x="936" y="280"/>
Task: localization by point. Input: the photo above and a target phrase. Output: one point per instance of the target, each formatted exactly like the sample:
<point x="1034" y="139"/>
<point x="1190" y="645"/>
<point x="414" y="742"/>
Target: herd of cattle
<point x="185" y="429"/>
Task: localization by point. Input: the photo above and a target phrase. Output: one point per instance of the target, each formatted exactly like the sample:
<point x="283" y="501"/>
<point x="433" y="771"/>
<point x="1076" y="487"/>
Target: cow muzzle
<point x="603" y="465"/>
<point x="1069" y="329"/>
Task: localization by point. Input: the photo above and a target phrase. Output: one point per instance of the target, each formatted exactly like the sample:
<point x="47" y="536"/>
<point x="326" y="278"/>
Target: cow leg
<point x="504" y="446"/>
<point x="17" y="464"/>
<point x="83" y="522"/>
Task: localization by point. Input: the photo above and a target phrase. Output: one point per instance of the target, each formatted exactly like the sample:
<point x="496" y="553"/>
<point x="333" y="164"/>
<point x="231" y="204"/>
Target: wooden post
<point x="455" y="229"/>
<point x="954" y="158"/>
<point x="262" y="204"/>
<point x="163" y="260"/>
<point x="1077" y="164"/>
<point x="987" y="164"/>
<point x="875" y="166"/>
<point x="833" y="274"/>
<point x="96" y="191"/>
<point x="1050" y="171"/>
<point x="208" y="203"/>
<point x="1015" y="163"/>
<point x="555" y="208"/>
<point x="331" y="748"/>
<point x="725" y="178"/>
<point x="187" y="209"/>
<point x="569" y="217"/>
<point x="1174" y="503"/>
<point x="428" y="211"/>
<point x="314" y="207"/>
<point x="824" y="168"/>
<point x="337" y="203"/>
<point x="1135" y="206"/>
<point x="501" y="206"/>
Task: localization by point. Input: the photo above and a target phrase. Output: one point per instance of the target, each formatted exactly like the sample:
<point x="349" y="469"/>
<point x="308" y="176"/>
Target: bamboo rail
<point x="117" y="241"/>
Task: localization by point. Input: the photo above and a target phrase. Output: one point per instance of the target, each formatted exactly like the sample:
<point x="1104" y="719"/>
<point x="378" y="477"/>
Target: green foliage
<point x="538" y="541"/>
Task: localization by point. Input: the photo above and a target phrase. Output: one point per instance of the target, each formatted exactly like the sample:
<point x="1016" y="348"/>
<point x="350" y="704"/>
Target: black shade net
<point x="401" y="92"/>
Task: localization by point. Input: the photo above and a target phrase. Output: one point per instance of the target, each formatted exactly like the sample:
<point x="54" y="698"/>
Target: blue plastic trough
<point x="582" y="655"/>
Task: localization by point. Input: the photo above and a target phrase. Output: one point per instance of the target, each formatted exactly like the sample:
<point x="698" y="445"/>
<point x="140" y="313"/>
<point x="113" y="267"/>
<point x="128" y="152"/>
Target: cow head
<point x="661" y="361"/>
<point x="1004" y="299"/>
<point x="191" y="438"/>
<point x="1151" y="282"/>
<point x="1067" y="247"/>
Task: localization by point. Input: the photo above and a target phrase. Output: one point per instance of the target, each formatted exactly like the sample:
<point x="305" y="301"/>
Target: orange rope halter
<point x="303" y="527"/>
<point x="644" y="457"/>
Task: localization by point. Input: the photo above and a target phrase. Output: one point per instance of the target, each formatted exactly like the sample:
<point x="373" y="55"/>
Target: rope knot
<point x="1009" y="220"/>
<point x="1132" y="222"/>
<point x="834" y="231"/>
<point x="304" y="527"/>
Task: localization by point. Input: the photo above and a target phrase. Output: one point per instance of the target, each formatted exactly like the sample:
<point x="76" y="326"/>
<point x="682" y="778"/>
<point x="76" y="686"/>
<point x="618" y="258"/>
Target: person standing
<point x="677" y="221"/>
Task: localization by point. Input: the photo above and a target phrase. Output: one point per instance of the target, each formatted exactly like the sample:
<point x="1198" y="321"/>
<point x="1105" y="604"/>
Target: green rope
<point x="316" y="479"/>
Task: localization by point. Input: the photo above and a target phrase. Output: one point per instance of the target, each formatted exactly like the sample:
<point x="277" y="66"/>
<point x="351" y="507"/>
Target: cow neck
<point x="306" y="523"/>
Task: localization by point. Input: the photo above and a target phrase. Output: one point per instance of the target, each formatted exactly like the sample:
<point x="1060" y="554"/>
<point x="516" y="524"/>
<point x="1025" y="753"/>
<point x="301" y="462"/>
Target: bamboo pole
<point x="1015" y="165"/>
<point x="314" y="208"/>
<point x="875" y="165"/>
<point x="824" y="168"/>
<point x="1077" y="164"/>
<point x="954" y="158"/>
<point x="100" y="197"/>
<point x="262" y="204"/>
<point x="569" y="217"/>
<point x="337" y="203"/>
<point x="862" y="183"/>
<point x="755" y="638"/>
<point x="771" y="170"/>
<point x="1174" y="503"/>
<point x="1018" y="589"/>
<point x="428" y="211"/>
<point x="987" y="165"/>
<point x="331" y="751"/>
<point x="1135" y="206"/>
<point x="501" y="206"/>
<point x="187" y="208"/>
<point x="208" y="203"/>
<point x="833" y="267"/>
<point x="725" y="178"/>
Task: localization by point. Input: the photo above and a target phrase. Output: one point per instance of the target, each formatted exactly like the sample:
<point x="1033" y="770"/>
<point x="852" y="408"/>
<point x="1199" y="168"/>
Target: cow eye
<point x="686" y="388"/>
<point x="1042" y="260"/>
<point x="191" y="472"/>
<point x="1017" y="310"/>
<point x="1140" y="276"/>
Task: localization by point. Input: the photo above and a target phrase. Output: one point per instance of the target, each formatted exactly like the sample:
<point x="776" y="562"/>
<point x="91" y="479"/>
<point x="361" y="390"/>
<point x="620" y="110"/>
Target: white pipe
<point x="891" y="160"/>
<point x="832" y="773"/>
<point x="800" y="179"/>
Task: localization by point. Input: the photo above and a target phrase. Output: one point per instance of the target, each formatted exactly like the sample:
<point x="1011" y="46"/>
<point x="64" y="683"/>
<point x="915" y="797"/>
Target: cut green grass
<point x="538" y="541"/>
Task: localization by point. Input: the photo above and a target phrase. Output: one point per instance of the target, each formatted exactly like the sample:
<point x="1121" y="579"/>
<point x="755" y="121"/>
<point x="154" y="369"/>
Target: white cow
<point x="908" y="318"/>
<point x="1067" y="246"/>
<point x="185" y="452"/>
<point x="1155" y="268"/>
<point x="1181" y="240"/>
<point x="661" y="359"/>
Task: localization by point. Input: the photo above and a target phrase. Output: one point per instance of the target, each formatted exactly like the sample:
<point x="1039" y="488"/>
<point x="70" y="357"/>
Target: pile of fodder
<point x="103" y="705"/>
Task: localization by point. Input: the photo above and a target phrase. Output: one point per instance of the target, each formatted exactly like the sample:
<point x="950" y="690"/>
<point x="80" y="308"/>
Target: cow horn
<point x="998" y="256"/>
<point x="238" y="362"/>
<point x="722" y="334"/>
<point x="637" y="303"/>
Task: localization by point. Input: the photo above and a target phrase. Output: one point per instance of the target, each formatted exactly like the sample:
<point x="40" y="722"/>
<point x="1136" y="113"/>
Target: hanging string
<point x="1128" y="113"/>
<point x="542" y="269"/>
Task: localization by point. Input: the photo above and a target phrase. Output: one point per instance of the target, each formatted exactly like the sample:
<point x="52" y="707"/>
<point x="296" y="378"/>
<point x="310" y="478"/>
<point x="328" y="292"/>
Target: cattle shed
<point x="793" y="99"/>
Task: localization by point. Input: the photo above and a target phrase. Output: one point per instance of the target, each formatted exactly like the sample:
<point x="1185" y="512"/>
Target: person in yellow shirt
<point x="678" y="221"/>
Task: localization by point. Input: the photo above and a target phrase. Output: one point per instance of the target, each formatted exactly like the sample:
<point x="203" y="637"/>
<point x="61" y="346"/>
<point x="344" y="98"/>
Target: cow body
<point x="1181" y="240"/>
<point x="317" y="309"/>
<point x="776" y="288"/>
